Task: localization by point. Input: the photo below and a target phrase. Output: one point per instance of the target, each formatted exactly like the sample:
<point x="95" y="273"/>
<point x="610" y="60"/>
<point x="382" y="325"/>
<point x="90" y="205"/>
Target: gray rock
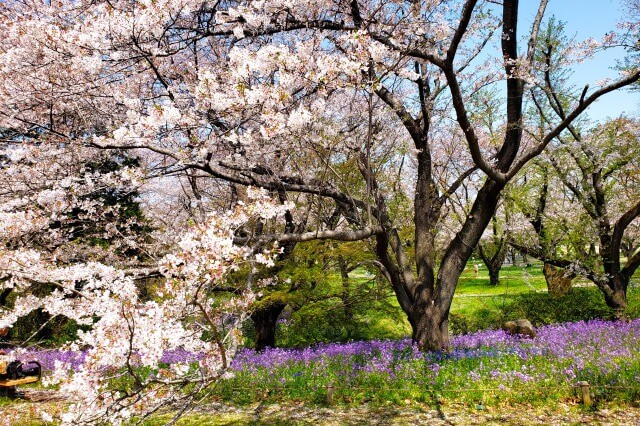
<point x="520" y="327"/>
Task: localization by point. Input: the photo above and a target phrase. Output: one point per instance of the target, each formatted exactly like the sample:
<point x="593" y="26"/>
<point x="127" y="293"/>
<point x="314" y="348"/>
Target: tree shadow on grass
<point x="437" y="401"/>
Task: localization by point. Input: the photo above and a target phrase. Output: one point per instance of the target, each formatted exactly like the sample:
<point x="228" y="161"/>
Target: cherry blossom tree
<point x="539" y="195"/>
<point x="596" y="172"/>
<point x="599" y="173"/>
<point x="70" y="206"/>
<point x="73" y="247"/>
<point x="277" y="94"/>
<point x="127" y="336"/>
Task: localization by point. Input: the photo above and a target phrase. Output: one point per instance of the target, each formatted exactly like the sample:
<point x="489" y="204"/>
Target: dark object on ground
<point x="16" y="373"/>
<point x="520" y="327"/>
<point x="18" y="370"/>
<point x="11" y="392"/>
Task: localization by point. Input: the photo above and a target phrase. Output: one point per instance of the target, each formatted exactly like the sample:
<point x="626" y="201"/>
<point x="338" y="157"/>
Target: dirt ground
<point x="450" y="415"/>
<point x="28" y="412"/>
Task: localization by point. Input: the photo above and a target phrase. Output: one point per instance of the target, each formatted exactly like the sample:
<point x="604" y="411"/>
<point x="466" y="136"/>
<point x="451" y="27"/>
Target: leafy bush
<point x="581" y="304"/>
<point x="40" y="327"/>
<point x="542" y="308"/>
<point x="327" y="321"/>
<point x="481" y="319"/>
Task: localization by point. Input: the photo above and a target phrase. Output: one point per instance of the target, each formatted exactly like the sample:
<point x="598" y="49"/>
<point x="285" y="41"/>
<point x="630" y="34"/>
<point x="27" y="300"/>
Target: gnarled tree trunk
<point x="264" y="319"/>
<point x="615" y="292"/>
<point x="617" y="299"/>
<point x="430" y="328"/>
<point x="558" y="280"/>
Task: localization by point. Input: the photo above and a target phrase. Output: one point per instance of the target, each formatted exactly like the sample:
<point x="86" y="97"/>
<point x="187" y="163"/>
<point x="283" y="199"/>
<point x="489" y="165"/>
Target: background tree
<point x="535" y="192"/>
<point x="493" y="250"/>
<point x="592" y="170"/>
<point x="586" y="187"/>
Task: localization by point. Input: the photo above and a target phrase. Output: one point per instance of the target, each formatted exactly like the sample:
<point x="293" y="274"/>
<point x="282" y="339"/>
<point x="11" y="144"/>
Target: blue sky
<point x="589" y="18"/>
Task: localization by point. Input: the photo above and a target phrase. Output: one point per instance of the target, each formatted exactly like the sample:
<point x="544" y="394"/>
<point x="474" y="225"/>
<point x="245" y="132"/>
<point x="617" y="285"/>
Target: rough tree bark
<point x="558" y="281"/>
<point x="264" y="319"/>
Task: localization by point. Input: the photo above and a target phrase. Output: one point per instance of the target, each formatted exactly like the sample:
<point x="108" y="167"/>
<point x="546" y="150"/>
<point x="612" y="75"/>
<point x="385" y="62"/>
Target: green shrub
<point x="326" y="321"/>
<point x="542" y="308"/>
<point x="41" y="328"/>
<point x="481" y="319"/>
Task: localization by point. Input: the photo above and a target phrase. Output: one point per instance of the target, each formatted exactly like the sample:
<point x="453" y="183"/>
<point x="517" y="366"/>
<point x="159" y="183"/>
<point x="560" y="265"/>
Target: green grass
<point x="513" y="279"/>
<point x="522" y="293"/>
<point x="475" y="294"/>
<point x="476" y="305"/>
<point x="217" y="419"/>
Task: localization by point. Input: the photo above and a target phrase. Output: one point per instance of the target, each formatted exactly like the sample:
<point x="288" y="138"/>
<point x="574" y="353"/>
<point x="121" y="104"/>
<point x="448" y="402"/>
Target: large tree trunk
<point x="615" y="294"/>
<point x="264" y="319"/>
<point x="424" y="298"/>
<point x="558" y="282"/>
<point x="429" y="311"/>
<point x="617" y="299"/>
<point x="430" y="329"/>
<point x="432" y="300"/>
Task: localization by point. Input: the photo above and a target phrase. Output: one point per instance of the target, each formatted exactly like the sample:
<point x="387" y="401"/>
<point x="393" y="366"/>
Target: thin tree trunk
<point x="345" y="296"/>
<point x="494" y="275"/>
<point x="494" y="263"/>
<point x="4" y="295"/>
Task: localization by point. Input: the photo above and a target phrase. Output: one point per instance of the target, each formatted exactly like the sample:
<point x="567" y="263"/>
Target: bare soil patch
<point x="28" y="411"/>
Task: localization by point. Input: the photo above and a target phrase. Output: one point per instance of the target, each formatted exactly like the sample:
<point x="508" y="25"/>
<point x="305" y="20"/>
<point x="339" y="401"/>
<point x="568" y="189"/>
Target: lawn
<point x="474" y="293"/>
<point x="477" y="305"/>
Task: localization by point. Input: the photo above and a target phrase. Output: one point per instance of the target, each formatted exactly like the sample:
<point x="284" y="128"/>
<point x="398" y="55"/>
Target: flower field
<point x="489" y="367"/>
<point x="484" y="367"/>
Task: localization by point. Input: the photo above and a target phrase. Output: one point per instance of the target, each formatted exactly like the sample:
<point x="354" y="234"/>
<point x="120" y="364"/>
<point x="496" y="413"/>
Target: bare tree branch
<point x="534" y="32"/>
<point x="537" y="149"/>
<point x="337" y="235"/>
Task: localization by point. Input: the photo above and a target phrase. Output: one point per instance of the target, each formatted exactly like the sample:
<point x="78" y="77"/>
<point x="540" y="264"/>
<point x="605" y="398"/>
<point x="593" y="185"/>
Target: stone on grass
<point x="520" y="327"/>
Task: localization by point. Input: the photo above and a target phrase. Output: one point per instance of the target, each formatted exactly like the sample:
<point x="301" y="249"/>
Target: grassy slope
<point x="473" y="294"/>
<point x="475" y="297"/>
